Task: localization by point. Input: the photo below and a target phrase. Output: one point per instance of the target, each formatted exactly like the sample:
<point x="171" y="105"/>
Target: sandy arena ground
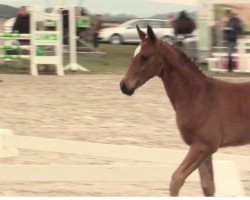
<point x="91" y="108"/>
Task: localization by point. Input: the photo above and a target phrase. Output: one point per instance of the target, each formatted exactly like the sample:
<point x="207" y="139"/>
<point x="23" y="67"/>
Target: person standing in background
<point x="65" y="25"/>
<point x="232" y="30"/>
<point x="22" y="23"/>
<point x="183" y="24"/>
<point x="96" y="25"/>
<point x="22" y="26"/>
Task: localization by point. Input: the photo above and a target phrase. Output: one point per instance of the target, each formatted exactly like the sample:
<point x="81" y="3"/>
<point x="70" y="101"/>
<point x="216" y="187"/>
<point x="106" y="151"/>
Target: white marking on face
<point x="137" y="51"/>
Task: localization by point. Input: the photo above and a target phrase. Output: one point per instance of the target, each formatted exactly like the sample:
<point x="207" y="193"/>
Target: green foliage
<point x="7" y="11"/>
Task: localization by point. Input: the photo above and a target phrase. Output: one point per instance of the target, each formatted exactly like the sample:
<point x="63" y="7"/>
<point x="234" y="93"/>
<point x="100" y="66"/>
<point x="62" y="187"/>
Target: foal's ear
<point x="142" y="35"/>
<point x="151" y="34"/>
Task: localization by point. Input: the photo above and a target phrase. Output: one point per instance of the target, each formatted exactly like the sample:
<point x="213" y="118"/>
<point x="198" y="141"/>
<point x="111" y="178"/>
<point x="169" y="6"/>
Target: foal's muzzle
<point x="125" y="89"/>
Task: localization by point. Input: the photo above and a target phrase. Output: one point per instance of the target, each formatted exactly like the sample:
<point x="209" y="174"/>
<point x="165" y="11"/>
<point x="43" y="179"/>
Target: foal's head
<point x="145" y="64"/>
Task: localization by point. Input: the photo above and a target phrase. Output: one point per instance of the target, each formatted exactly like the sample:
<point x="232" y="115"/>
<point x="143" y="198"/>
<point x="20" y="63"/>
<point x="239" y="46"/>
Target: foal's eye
<point x="144" y="58"/>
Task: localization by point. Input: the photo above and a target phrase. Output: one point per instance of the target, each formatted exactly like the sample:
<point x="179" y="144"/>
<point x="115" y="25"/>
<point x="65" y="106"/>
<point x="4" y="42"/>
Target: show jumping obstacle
<point x="241" y="58"/>
<point x="41" y="39"/>
<point x="159" y="165"/>
<point x="37" y="40"/>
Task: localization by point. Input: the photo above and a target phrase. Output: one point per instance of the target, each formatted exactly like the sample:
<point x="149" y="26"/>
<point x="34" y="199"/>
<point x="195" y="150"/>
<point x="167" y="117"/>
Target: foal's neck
<point x="181" y="77"/>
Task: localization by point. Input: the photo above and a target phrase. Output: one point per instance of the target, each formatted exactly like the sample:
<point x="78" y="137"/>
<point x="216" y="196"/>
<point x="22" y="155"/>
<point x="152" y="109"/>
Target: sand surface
<point x="91" y="108"/>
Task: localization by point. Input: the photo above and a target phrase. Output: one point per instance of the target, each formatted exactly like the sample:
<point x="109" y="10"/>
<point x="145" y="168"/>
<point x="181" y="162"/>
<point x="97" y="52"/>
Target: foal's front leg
<point x="197" y="154"/>
<point x="207" y="177"/>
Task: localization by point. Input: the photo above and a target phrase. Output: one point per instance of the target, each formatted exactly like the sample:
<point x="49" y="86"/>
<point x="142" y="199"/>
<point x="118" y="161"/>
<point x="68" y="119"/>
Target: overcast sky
<point x="140" y="8"/>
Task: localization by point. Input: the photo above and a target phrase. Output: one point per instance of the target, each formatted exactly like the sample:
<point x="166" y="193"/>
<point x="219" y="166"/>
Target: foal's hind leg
<point x="196" y="155"/>
<point x="207" y="177"/>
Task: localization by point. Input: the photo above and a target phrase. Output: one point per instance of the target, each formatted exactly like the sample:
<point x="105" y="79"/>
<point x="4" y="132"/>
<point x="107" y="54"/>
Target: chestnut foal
<point x="209" y="113"/>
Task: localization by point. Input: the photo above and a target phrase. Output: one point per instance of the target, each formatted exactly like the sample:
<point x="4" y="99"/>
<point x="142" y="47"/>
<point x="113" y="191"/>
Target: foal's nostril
<point x="123" y="87"/>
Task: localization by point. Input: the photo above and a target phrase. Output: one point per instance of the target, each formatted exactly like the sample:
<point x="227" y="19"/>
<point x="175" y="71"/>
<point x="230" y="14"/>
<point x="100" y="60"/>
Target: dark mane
<point x="185" y="60"/>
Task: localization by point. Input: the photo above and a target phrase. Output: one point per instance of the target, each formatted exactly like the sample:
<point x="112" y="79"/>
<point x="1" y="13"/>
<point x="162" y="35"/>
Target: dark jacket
<point x="96" y="24"/>
<point x="22" y="24"/>
<point x="183" y="24"/>
<point x="65" y="14"/>
<point x="233" y="29"/>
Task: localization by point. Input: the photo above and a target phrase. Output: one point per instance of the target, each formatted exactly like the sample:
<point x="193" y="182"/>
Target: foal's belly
<point x="238" y="137"/>
<point x="237" y="142"/>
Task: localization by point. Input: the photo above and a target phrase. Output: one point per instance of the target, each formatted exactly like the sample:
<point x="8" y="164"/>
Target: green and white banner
<point x="46" y="37"/>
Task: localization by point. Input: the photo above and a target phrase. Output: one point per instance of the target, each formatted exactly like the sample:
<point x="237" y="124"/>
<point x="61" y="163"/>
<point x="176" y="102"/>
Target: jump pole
<point x="73" y="65"/>
<point x="4" y="36"/>
<point x="15" y="36"/>
<point x="15" y="57"/>
<point x="17" y="47"/>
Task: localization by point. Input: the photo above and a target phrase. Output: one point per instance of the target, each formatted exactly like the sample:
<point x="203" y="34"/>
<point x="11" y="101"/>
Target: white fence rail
<point x="126" y="152"/>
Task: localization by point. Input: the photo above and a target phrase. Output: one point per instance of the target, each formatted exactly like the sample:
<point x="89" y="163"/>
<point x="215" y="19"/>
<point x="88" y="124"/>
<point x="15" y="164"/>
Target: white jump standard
<point x="73" y="65"/>
<point x="46" y="38"/>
